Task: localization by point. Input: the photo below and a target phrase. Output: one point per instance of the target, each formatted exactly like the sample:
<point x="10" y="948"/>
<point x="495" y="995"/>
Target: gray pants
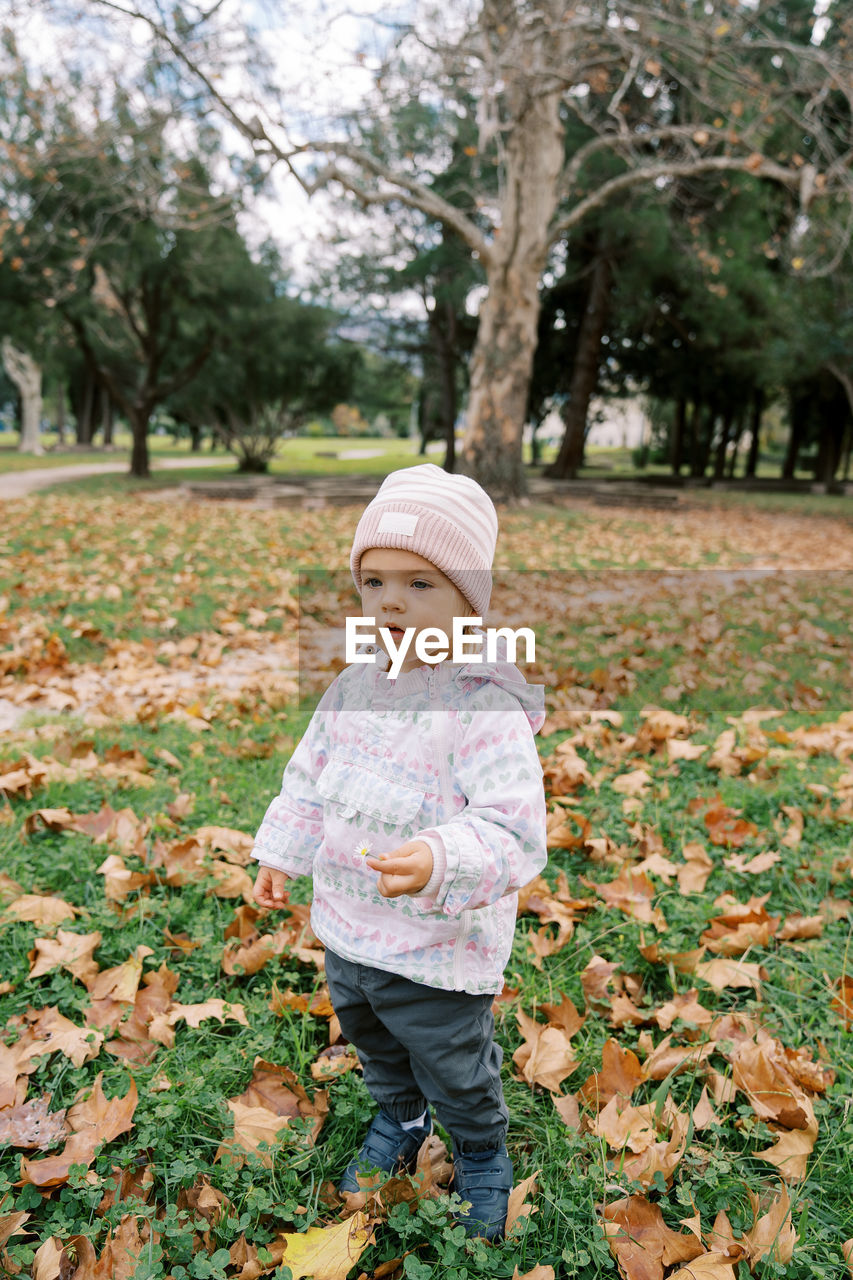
<point x="420" y="1045"/>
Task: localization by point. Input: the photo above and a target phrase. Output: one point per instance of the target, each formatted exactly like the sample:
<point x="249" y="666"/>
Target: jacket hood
<point x="505" y="675"/>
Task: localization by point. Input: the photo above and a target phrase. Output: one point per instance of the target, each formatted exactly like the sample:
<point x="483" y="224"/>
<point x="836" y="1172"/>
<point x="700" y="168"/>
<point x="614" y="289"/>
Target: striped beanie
<point x="449" y="520"/>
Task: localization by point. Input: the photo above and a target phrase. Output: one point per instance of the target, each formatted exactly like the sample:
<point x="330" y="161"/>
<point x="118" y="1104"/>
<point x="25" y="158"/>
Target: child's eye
<point x="419" y="582"/>
<point x="372" y="582"/>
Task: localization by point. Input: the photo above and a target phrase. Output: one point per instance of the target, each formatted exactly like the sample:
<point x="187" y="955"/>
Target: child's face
<point x="401" y="589"/>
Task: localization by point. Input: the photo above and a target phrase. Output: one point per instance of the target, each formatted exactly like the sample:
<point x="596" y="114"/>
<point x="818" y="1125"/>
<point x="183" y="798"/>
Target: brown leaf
<point x="565" y="1015"/>
<point x="120" y="983"/>
<point x="71" y="951"/>
<point x="797" y="926"/>
<point x="621" y="1125"/>
<point x="539" y="1272"/>
<point x="724" y="973"/>
<point x="631" y="892"/>
<point x="843" y="1002"/>
<point x="641" y="1242"/>
<point x="619" y="1075"/>
<point x="518" y="1208"/>
<point x="726" y="828"/>
<point x="93" y="1119"/>
<point x="597" y="978"/>
<point x="11" y="1224"/>
<point x="686" y="1007"/>
<point x="334" y="1061"/>
<point x="707" y="1266"/>
<point x="32" y="1125"/>
<point x="546" y="1056"/>
<point x="773" y="1233"/>
<point x="761" y="1072"/>
<point x="567" y="1106"/>
<point x="46" y="912"/>
<point x="161" y="1027"/>
<point x="693" y="875"/>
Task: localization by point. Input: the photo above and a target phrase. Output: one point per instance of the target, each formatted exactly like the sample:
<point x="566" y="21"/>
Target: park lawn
<point x="699" y="730"/>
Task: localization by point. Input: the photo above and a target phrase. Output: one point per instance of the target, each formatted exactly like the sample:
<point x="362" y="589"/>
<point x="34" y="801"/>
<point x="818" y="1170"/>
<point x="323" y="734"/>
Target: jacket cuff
<point x="439" y="867"/>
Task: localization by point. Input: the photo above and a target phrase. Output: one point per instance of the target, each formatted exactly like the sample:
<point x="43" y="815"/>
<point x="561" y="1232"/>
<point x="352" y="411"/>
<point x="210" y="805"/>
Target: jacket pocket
<point x="359" y="790"/>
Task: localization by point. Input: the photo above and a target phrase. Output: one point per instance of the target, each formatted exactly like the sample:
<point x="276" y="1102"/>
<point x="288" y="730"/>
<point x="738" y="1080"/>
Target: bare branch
<point x="673" y="169"/>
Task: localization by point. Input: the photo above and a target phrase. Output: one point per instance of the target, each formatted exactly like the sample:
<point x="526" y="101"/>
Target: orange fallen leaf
<point x="46" y="912"/>
<point x="641" y="1242"/>
<point x="796" y="926"/>
<point x="631" y="892"/>
<point x="791" y="1151"/>
<point x="726" y="828"/>
<point x="162" y="1025"/>
<point x="707" y="1266"/>
<point x="518" y="1207"/>
<point x="71" y="951"/>
<point x="723" y="972"/>
<point x="93" y="1120"/>
<point x="546" y="1057"/>
<point x="773" y="1233"/>
<point x="693" y="875"/>
<point x="620" y="1074"/>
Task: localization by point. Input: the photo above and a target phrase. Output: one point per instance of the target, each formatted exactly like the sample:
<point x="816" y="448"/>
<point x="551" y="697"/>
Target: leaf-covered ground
<point x="174" y="1098"/>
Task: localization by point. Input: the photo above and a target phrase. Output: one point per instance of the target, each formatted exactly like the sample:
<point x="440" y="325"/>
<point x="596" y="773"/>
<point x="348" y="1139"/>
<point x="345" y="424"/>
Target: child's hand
<point x="270" y="890"/>
<point x="405" y="870"/>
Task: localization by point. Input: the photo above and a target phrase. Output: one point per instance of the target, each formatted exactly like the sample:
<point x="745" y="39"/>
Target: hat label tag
<point x="397" y="522"/>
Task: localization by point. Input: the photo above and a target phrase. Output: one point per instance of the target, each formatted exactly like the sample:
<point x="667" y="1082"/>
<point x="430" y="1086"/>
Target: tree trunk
<point x="502" y="359"/>
<point x="60" y="413"/>
<point x="797" y="408"/>
<point x="26" y="375"/>
<point x="446" y="341"/>
<point x="569" y="460"/>
<point x="107" y="416"/>
<point x="755" y="428"/>
<point x="736" y="439"/>
<point x="195" y="437"/>
<point x="85" y="424"/>
<point x="678" y="431"/>
<point x="723" y="444"/>
<point x="139" y="416"/>
<point x="703" y="434"/>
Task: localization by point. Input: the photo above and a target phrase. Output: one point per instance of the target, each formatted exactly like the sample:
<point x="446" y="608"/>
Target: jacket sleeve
<point x="292" y="827"/>
<point x="496" y="843"/>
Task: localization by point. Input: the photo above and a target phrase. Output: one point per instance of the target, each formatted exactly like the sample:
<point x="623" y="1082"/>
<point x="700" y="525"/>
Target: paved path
<point x="17" y="484"/>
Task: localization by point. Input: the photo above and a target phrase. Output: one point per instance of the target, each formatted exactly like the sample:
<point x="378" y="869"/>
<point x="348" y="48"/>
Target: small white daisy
<point x="362" y="848"/>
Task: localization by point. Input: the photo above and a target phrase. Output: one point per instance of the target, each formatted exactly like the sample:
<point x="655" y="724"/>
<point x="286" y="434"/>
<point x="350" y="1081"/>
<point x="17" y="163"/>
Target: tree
<point x="281" y="363"/>
<point x="531" y="66"/>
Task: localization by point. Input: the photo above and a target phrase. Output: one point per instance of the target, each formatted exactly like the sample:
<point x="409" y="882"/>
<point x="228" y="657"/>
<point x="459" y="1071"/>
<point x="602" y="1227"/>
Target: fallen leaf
<point x="773" y="1234"/>
<point x="546" y="1057"/>
<point x="71" y="951"/>
<point x="32" y="1125"/>
<point x="93" y="1120"/>
<point x="327" y="1253"/>
<point x="723" y="973"/>
<point x="641" y="1242"/>
<point x="693" y="875"/>
<point x="162" y="1025"/>
<point x="620" y="1075"/>
<point x="518" y="1206"/>
<point x="707" y="1266"/>
<point x="46" y="912"/>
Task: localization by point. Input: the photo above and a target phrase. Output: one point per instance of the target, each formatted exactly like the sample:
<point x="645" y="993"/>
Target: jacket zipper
<point x="466" y="920"/>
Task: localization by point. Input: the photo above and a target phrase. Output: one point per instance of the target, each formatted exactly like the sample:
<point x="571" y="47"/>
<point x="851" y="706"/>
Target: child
<point x="417" y="806"/>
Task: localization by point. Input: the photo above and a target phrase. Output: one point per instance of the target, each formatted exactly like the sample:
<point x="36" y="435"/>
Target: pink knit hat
<point x="449" y="520"/>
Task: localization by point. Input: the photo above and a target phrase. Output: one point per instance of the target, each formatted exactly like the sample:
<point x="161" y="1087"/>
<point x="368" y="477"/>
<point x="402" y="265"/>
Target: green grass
<point x="696" y="646"/>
